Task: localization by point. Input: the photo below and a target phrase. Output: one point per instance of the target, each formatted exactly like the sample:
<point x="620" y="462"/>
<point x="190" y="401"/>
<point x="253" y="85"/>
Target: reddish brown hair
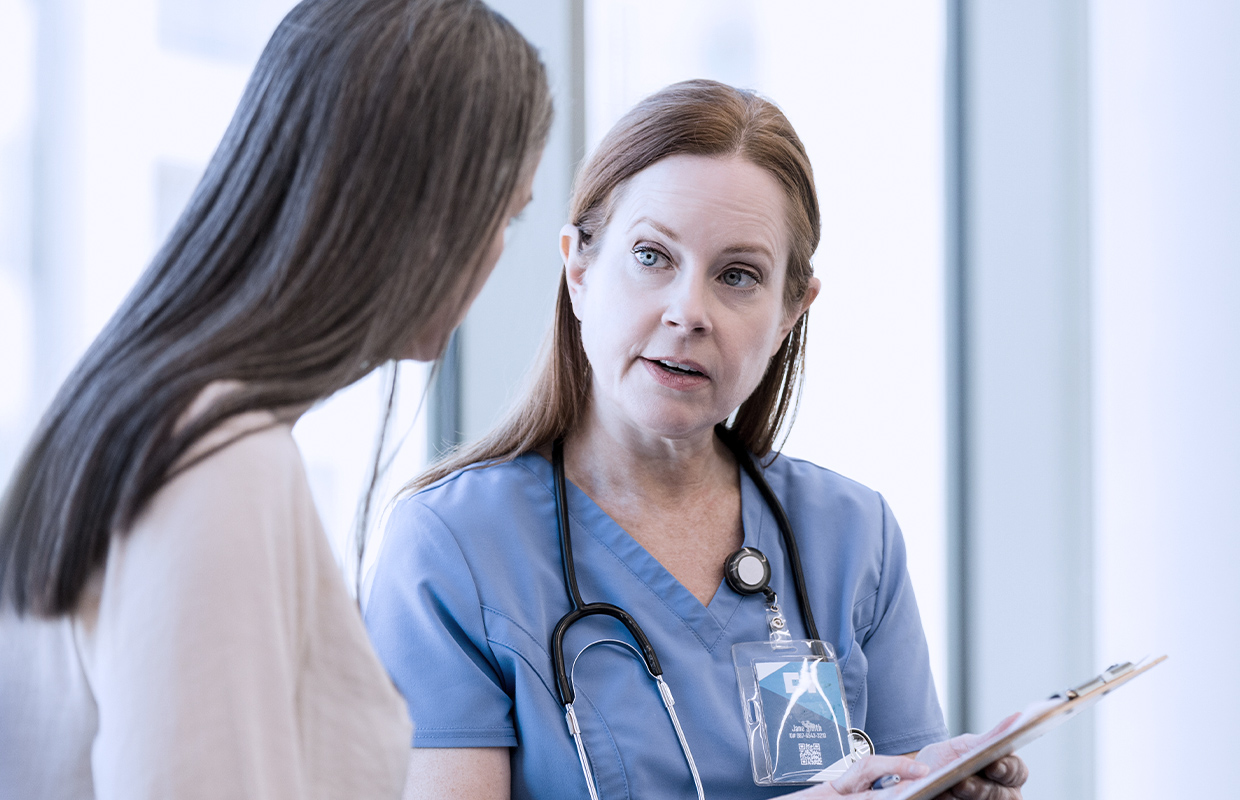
<point x="702" y="118"/>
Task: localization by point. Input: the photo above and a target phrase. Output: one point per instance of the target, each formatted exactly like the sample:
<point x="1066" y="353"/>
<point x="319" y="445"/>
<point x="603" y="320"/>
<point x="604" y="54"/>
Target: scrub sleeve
<point x="897" y="680"/>
<point x="430" y="633"/>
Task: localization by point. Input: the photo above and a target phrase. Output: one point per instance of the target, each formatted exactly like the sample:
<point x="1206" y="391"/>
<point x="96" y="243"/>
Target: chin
<point x="667" y="424"/>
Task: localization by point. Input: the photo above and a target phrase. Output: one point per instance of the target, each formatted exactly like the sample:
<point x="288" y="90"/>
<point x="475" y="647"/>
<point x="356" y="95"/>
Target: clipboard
<point x="1032" y="723"/>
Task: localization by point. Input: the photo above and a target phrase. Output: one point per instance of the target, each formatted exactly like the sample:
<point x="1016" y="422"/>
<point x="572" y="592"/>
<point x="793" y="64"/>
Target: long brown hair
<point x="703" y="118"/>
<point x="374" y="154"/>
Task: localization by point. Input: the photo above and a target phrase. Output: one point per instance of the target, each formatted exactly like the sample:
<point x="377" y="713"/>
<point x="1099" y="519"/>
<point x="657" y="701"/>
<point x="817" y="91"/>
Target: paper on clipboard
<point x="1034" y="721"/>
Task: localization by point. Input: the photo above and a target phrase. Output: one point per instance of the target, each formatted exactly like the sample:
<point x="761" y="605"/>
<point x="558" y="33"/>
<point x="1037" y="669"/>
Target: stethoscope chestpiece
<point x="747" y="571"/>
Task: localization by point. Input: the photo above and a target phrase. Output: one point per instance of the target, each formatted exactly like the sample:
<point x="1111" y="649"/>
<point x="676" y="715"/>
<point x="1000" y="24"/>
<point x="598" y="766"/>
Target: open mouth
<point x="677" y="368"/>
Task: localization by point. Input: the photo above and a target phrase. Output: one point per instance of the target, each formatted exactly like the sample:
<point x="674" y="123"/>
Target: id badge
<point x="796" y="718"/>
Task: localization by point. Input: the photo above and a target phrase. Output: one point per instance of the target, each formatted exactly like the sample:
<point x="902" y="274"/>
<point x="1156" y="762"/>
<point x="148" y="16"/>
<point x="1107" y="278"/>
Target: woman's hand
<point x="999" y="781"/>
<point x="855" y="783"/>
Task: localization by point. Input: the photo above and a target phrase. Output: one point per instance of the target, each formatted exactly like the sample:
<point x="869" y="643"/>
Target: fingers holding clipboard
<point x="1020" y="729"/>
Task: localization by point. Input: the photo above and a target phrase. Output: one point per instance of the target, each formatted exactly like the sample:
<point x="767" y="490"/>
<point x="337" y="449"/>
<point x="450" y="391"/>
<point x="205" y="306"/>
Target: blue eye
<point x="738" y="278"/>
<point x="645" y="256"/>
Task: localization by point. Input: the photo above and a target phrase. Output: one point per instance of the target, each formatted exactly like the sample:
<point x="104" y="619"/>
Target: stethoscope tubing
<point x="580" y="609"/>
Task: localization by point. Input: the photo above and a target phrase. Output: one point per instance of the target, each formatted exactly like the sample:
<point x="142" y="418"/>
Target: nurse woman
<point x="677" y="347"/>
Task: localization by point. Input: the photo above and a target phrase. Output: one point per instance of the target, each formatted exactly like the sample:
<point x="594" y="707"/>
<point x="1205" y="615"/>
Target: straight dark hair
<point x="373" y="157"/>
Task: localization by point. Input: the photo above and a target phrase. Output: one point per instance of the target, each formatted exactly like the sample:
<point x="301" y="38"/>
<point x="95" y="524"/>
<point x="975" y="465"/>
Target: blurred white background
<point x="1028" y="337"/>
<point x="863" y="85"/>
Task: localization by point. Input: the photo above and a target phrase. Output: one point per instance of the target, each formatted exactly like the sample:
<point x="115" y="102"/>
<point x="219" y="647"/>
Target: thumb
<point x="861" y="775"/>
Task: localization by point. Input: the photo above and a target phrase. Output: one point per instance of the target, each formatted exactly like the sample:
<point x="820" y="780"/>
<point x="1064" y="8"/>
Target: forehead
<point x="721" y="201"/>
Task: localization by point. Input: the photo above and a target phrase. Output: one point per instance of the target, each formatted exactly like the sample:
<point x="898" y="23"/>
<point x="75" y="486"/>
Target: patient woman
<point x="173" y="622"/>
<point x="677" y="346"/>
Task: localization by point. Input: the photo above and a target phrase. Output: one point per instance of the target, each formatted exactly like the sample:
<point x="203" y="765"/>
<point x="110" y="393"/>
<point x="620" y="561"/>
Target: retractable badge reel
<point x="792" y="694"/>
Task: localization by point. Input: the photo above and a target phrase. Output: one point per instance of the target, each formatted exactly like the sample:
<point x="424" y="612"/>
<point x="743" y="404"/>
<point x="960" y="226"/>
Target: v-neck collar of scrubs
<point x="708" y="622"/>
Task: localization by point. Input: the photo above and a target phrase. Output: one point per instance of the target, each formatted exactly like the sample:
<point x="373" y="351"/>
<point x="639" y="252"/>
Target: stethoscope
<point x="746" y="571"/>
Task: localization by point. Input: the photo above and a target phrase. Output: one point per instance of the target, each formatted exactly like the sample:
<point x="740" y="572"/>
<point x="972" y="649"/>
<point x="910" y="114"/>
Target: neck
<point x="618" y="462"/>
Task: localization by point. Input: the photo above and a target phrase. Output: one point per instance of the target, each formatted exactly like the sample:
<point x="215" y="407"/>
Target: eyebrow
<point x="731" y="250"/>
<point x="749" y="249"/>
<point x="663" y="229"/>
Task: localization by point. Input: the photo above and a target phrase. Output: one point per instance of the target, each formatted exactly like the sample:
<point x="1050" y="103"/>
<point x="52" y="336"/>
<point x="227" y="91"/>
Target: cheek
<point x="615" y="318"/>
<point x="755" y="345"/>
<point x="606" y="337"/>
<point x="754" y="369"/>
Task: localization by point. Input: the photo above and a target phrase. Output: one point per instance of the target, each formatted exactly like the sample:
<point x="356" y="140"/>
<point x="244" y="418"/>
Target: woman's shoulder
<point x="250" y="459"/>
<point x="495" y="512"/>
<point x="800" y="475"/>
<point x="238" y="498"/>
<point x="823" y="499"/>
<point x="485" y="488"/>
<point x="251" y="444"/>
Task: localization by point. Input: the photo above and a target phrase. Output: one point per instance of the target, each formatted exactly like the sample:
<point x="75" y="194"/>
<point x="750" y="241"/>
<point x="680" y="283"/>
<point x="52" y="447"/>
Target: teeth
<point x="672" y="365"/>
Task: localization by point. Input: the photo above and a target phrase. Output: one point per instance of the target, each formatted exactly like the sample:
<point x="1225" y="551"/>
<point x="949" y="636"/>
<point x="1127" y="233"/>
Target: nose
<point x="688" y="304"/>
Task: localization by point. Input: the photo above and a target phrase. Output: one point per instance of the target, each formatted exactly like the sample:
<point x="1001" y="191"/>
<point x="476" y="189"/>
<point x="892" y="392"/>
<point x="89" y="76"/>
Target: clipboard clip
<point x="1108" y="675"/>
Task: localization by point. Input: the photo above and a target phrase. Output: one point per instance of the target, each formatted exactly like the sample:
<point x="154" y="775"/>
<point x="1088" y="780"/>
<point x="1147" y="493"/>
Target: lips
<point x="676" y="373"/>
<point x="682" y="366"/>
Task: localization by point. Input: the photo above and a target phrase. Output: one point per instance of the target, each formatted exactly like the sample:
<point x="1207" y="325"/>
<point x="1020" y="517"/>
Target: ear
<point x="574" y="265"/>
<point x="811" y="292"/>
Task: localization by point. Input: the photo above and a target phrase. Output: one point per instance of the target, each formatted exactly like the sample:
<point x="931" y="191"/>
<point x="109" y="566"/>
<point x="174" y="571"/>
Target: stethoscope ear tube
<point x="562" y="681"/>
<point x="561" y="525"/>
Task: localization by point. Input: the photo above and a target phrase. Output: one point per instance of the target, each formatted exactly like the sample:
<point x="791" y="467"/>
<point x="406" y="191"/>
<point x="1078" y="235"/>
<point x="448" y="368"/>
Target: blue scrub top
<point x="469" y="586"/>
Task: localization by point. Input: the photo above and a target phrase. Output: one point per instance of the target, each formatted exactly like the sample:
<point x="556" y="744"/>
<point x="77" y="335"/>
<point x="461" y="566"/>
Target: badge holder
<point x="792" y="699"/>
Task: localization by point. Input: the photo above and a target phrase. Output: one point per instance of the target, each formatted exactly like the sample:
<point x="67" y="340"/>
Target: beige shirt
<point x="217" y="655"/>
